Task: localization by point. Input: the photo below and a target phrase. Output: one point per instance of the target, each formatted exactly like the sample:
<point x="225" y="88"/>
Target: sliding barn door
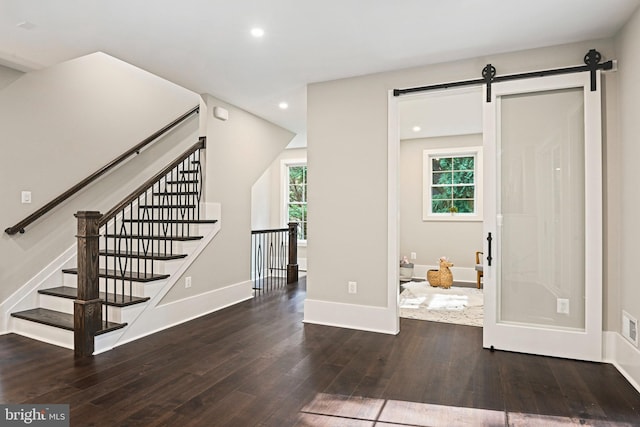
<point x="543" y="217"/>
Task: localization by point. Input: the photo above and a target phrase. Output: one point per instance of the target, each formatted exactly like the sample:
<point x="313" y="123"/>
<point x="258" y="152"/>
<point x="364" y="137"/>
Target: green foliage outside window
<point x="453" y="184"/>
<point x="297" y="205"/>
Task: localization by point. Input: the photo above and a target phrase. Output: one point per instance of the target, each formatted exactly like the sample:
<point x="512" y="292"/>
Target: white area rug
<point x="463" y="306"/>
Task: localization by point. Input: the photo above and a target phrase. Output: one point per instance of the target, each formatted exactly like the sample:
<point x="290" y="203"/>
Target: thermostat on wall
<point x="220" y="113"/>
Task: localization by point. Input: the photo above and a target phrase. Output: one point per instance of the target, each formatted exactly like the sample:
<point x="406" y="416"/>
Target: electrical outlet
<point x="353" y="287"/>
<point x="562" y="306"/>
<point x="413" y="255"/>
<point x="26" y="197"/>
<point x="187" y="282"/>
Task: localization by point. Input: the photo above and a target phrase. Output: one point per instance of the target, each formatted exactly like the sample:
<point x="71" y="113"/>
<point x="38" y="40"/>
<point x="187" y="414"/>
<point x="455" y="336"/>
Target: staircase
<point x="144" y="240"/>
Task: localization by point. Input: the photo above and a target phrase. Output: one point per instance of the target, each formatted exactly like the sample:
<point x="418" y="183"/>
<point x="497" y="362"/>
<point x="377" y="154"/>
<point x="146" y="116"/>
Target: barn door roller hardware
<point x="591" y="59"/>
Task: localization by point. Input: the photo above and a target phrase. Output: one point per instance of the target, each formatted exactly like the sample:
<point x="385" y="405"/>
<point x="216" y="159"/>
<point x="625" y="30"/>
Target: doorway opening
<point x="440" y="205"/>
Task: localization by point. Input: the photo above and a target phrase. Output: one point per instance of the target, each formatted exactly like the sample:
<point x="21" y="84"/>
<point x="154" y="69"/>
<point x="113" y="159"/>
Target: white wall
<point x="348" y="156"/>
<point x="59" y="125"/>
<point x="238" y="152"/>
<point x="457" y="240"/>
<point x="267" y="196"/>
<point x="8" y="75"/>
<point x="625" y="163"/>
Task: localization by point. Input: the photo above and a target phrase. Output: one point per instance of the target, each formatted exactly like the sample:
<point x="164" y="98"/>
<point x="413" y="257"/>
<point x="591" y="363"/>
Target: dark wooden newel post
<point x="292" y="266"/>
<point x="87" y="310"/>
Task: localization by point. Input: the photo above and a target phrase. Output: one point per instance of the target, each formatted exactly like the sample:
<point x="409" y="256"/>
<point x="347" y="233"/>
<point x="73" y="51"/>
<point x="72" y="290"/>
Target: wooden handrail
<point x="20" y="227"/>
<point x="148" y="183"/>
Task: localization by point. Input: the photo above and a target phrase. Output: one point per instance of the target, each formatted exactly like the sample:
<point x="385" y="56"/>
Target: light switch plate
<point x="26" y="197"/>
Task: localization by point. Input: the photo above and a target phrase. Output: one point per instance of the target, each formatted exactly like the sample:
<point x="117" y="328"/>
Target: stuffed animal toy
<point x="442" y="277"/>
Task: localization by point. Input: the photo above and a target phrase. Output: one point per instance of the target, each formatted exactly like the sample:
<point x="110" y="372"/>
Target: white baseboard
<point x="351" y="316"/>
<point x="176" y="312"/>
<point x="460" y="274"/>
<point x="623" y="355"/>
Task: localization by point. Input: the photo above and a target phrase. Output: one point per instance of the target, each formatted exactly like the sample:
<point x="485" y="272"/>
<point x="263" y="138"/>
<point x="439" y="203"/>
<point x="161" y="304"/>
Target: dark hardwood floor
<point x="256" y="363"/>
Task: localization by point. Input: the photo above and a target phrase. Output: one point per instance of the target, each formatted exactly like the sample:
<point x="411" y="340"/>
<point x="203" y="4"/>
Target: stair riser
<point x="174" y="199"/>
<point x="50" y="302"/>
<point x="158" y="206"/>
<point x="132" y="265"/>
<point x="139" y="245"/>
<point x="141" y="265"/>
<point x="41" y="332"/>
<point x="138" y="289"/>
<point x="159" y="229"/>
<point x="116" y="314"/>
<point x="163" y="212"/>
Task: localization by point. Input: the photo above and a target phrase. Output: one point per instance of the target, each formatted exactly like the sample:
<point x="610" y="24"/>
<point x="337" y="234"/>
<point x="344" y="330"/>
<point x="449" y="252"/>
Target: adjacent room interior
<point x="441" y="205"/>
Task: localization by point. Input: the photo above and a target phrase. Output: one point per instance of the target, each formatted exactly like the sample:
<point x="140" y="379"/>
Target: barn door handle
<point x="489" y="257"/>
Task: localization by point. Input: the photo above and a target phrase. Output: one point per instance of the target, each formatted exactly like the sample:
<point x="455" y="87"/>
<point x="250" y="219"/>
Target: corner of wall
<point x="624" y="356"/>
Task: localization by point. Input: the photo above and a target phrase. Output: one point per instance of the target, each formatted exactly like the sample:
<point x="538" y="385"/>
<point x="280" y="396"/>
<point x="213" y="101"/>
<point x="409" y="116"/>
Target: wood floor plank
<point x="257" y="364"/>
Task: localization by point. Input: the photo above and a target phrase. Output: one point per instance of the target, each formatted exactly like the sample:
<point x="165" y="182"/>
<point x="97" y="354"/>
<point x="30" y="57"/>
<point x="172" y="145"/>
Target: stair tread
<point x="141" y="255"/>
<point x="58" y="319"/>
<point x="145" y="237"/>
<point x="167" y="206"/>
<point x="189" y="171"/>
<point x="129" y="275"/>
<point x="173" y="221"/>
<point x="113" y="300"/>
<point x="176" y="193"/>
<point x="187" y="181"/>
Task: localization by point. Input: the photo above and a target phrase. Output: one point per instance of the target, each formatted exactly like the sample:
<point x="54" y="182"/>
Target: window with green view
<point x="451" y="183"/>
<point x="297" y="202"/>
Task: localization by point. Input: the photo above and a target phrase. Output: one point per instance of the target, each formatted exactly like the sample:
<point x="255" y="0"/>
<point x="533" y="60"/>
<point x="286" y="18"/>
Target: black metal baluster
<point x="130" y="245"/>
<point x="104" y="262"/>
<point x="141" y="199"/>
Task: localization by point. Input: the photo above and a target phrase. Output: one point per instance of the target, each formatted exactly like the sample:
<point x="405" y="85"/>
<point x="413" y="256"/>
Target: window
<point x="296" y="197"/>
<point x="452" y="184"/>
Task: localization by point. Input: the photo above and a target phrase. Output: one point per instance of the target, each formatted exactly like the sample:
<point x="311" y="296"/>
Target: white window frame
<point x="427" y="214"/>
<point x="284" y="195"/>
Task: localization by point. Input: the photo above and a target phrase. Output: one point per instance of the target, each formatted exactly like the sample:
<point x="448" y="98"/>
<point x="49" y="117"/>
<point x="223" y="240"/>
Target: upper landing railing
<point x="274" y="257"/>
<point x="20" y="226"/>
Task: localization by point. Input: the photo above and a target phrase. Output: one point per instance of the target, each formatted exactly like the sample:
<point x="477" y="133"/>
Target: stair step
<point x="188" y="181"/>
<point x="58" y="319"/>
<point x="176" y="193"/>
<point x="113" y="300"/>
<point x="139" y="255"/>
<point x="132" y="276"/>
<point x="167" y="206"/>
<point x="186" y="171"/>
<point x="144" y="237"/>
<point x="110" y="299"/>
<point x="172" y="221"/>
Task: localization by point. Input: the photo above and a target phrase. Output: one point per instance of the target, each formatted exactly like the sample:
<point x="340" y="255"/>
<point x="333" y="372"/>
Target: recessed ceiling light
<point x="257" y="32"/>
<point x="283" y="105"/>
<point x="416" y="128"/>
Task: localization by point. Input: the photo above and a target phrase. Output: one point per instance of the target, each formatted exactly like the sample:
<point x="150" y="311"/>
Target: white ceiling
<point x="205" y="45"/>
